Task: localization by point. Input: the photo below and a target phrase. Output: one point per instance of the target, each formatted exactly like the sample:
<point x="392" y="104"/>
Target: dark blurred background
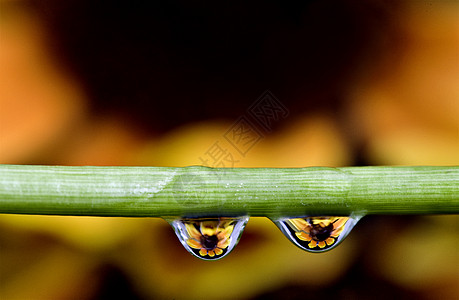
<point x="174" y="62"/>
<point x="138" y="83"/>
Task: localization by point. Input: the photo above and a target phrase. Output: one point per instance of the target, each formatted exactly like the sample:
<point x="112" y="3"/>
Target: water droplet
<point x="318" y="233"/>
<point x="209" y="238"/>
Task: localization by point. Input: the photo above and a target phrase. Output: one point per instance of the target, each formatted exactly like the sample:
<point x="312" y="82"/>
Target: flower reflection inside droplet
<point x="209" y="238"/>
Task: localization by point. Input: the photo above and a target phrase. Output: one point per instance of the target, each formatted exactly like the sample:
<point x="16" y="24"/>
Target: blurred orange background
<point x="385" y="94"/>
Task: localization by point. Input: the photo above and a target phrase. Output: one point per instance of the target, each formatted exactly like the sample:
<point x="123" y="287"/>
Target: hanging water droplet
<point x="318" y="233"/>
<point x="209" y="238"/>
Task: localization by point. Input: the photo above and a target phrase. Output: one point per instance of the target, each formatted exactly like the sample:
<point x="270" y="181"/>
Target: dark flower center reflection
<point x="320" y="233"/>
<point x="209" y="242"/>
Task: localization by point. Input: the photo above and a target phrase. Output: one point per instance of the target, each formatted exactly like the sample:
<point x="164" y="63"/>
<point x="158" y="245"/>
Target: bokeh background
<point x="93" y="82"/>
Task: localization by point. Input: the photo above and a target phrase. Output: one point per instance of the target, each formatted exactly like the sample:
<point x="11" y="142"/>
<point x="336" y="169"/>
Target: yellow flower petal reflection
<point x="317" y="234"/>
<point x="209" y="238"/>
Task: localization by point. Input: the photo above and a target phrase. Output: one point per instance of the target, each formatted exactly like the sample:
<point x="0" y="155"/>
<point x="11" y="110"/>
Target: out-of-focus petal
<point x="223" y="243"/>
<point x="203" y="252"/>
<point x="299" y="224"/>
<point x="303" y="236"/>
<point x="194" y="244"/>
<point x="192" y="231"/>
<point x="312" y="244"/>
<point x="340" y="222"/>
<point x="330" y="241"/>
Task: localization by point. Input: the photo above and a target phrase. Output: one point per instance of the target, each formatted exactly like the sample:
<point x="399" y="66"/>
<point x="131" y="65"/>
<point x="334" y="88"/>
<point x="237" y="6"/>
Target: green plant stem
<point x="202" y="191"/>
